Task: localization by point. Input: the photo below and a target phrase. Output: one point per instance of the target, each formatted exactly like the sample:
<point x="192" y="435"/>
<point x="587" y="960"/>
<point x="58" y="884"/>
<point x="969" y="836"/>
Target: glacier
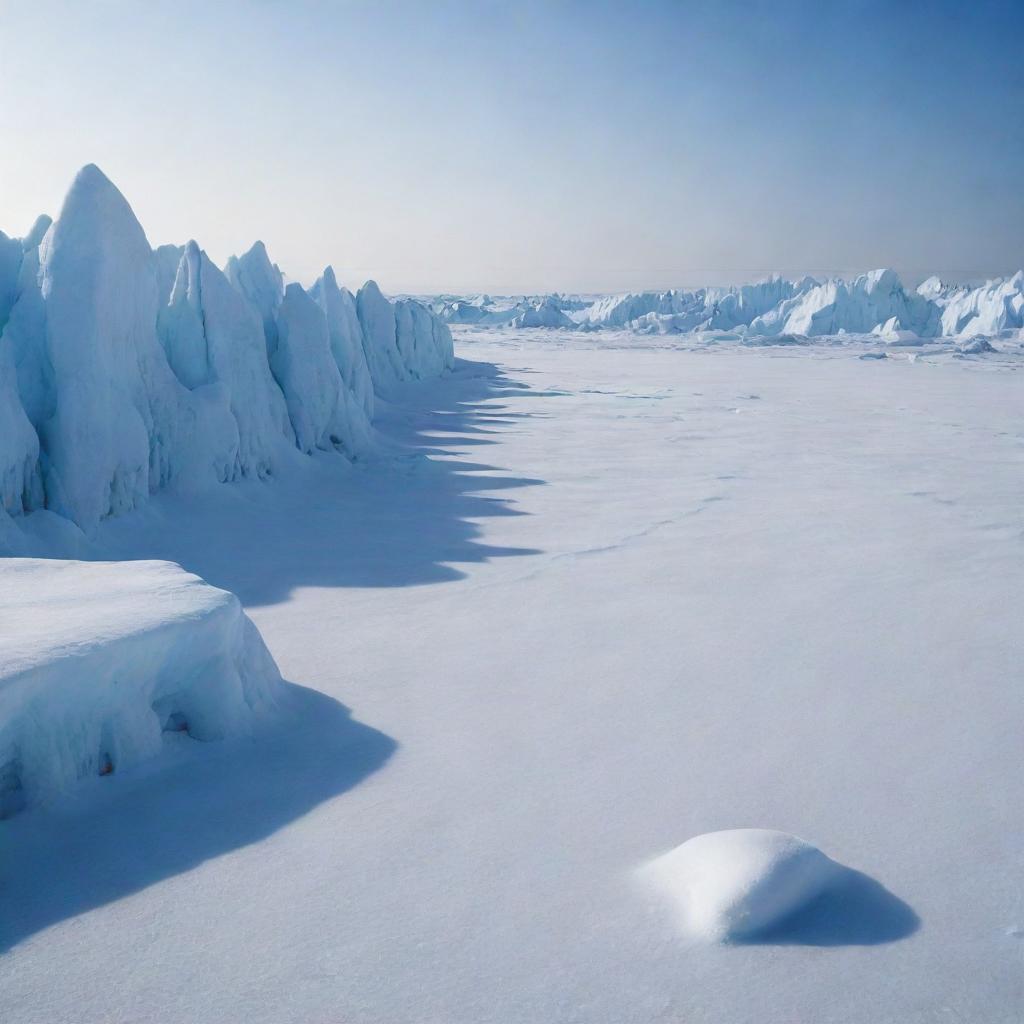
<point x="125" y="370"/>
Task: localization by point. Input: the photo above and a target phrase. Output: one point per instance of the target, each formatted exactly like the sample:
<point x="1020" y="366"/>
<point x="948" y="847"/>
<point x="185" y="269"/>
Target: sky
<point x="572" y="145"/>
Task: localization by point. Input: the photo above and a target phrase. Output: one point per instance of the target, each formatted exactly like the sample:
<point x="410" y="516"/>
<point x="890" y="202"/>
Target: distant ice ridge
<point x="124" y="371"/>
<point x="871" y="304"/>
<point x="99" y="660"/>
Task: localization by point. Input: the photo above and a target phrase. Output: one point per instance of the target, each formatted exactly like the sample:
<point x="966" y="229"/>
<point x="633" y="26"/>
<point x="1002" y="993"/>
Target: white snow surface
<point x="624" y="590"/>
<point x="98" y="660"/>
<point x="126" y="371"/>
<point x="738" y="883"/>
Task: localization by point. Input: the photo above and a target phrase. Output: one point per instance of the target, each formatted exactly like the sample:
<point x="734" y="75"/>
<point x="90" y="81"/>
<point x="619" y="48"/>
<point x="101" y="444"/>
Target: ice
<point x="873" y="303"/>
<point x="21" y="486"/>
<point x="113" y="421"/>
<point x="424" y="342"/>
<point x="212" y="336"/>
<point x="546" y="313"/>
<point x="339" y="307"/>
<point x="994" y="307"/>
<point x="262" y="283"/>
<point x="126" y="371"/>
<point x="324" y="413"/>
<point x="740" y="882"/>
<point x="100" y="659"/>
<point x="380" y="342"/>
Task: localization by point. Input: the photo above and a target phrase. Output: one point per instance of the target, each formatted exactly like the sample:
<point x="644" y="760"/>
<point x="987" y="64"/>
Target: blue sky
<point x="533" y="146"/>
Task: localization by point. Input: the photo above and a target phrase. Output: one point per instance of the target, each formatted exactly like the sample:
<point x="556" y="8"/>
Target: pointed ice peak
<point x="328" y="277"/>
<point x="94" y="218"/>
<point x="262" y="283"/>
<point x="186" y="286"/>
<point x="36" y="232"/>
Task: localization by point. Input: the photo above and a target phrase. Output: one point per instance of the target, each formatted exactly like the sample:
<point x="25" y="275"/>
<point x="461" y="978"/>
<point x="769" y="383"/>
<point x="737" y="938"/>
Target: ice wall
<point x="124" y="370"/>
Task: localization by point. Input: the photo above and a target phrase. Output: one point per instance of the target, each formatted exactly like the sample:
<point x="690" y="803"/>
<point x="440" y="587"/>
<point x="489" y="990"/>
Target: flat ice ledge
<point x="99" y="659"/>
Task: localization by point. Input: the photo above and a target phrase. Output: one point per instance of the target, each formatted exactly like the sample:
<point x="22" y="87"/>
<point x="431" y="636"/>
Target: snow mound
<point x="99" y="659"/>
<point x="740" y="882"/>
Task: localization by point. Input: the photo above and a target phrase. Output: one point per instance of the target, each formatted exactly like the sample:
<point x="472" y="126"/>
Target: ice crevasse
<point x="124" y="371"/>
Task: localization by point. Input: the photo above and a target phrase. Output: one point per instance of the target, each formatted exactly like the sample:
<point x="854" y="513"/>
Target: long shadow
<point x="406" y="520"/>
<point x="115" y="836"/>
<point x="403" y="520"/>
<point x="859" y="911"/>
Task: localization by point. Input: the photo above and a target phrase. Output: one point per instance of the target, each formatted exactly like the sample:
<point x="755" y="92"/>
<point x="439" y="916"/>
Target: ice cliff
<point x="124" y="371"/>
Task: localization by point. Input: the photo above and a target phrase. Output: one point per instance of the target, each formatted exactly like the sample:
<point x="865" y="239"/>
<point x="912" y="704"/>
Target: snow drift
<point x="124" y="371"/>
<point x="99" y="659"/>
<point x="740" y="882"/>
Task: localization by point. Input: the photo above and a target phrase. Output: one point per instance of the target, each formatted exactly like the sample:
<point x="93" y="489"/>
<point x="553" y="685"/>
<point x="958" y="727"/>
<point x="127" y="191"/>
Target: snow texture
<point x="734" y="584"/>
<point x="125" y="371"/>
<point x="740" y="882"/>
<point x="100" y="659"/>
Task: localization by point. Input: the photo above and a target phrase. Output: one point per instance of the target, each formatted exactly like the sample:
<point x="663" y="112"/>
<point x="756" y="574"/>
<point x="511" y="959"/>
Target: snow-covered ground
<point x="619" y="595"/>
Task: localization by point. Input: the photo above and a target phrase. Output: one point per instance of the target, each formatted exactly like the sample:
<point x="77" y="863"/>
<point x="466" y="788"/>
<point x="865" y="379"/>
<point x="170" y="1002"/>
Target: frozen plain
<point x="620" y="596"/>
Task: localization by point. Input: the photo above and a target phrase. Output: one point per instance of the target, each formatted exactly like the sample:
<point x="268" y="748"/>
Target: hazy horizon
<point x="581" y="147"/>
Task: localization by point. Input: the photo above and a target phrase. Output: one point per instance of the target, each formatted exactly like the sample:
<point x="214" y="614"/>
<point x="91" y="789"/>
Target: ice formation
<point x="124" y="370"/>
<point x="871" y="304"/>
<point x="740" y="882"/>
<point x="545" y="313"/>
<point x="100" y="659"/>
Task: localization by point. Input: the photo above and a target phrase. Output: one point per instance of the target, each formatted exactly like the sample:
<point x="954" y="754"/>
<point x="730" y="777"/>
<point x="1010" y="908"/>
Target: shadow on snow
<point x="859" y="911"/>
<point x="405" y="520"/>
<point x="112" y="837"/>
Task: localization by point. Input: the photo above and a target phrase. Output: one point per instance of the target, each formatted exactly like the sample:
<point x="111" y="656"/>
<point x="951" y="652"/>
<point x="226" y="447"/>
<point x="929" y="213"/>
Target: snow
<point x="99" y="660"/>
<point x="624" y="591"/>
<point x="738" y="883"/>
